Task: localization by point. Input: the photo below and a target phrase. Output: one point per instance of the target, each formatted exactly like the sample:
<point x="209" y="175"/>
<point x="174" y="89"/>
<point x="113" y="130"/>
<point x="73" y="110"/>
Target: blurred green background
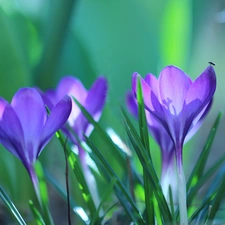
<point x="44" y="40"/>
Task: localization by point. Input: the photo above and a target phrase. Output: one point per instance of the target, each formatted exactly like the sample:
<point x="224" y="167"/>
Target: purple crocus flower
<point x="178" y="103"/>
<point x="25" y="127"/>
<point x="168" y="174"/>
<point x="93" y="101"/>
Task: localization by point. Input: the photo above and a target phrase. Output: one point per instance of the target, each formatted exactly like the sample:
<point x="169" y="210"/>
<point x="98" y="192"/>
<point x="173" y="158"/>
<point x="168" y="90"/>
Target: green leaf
<point x="149" y="196"/>
<point x="172" y="206"/>
<point x="11" y="207"/>
<point x="113" y="150"/>
<point x="36" y="214"/>
<point x="63" y="194"/>
<point x="205" y="203"/>
<point x="43" y="193"/>
<point x="106" y="195"/>
<point x="201" y="162"/>
<point x="148" y="167"/>
<point x="219" y="195"/>
<point x="74" y="162"/>
<point x="130" y="209"/>
<point x="203" y="179"/>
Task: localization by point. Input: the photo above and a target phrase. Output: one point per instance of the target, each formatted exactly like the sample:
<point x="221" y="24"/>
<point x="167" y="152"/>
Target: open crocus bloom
<point x="168" y="174"/>
<point x="93" y="101"/>
<point x="25" y="127"/>
<point x="176" y="101"/>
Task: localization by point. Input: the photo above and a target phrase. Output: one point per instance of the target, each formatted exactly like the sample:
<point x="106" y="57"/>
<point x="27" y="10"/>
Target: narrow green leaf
<point x="63" y="194"/>
<point x="106" y="195"/>
<point x="204" y="204"/>
<point x="218" y="198"/>
<point x="11" y="207"/>
<point x="172" y="206"/>
<point x="148" y="167"/>
<point x="202" y="180"/>
<point x="36" y="214"/>
<point x="201" y="162"/>
<point x="74" y="162"/>
<point x="104" y="137"/>
<point x="158" y="216"/>
<point x="149" y="196"/>
<point x="131" y="210"/>
<point x="43" y="193"/>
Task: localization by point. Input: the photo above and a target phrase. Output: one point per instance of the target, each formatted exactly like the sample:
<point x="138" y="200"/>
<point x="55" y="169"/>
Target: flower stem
<point x="182" y="194"/>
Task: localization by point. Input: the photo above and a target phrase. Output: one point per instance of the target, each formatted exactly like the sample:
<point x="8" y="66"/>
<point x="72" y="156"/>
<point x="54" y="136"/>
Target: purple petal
<point x="172" y="81"/>
<point x="32" y="115"/>
<point x="49" y="97"/>
<point x="203" y="87"/>
<point x="3" y="104"/>
<point x="11" y="135"/>
<point x="94" y="104"/>
<point x="55" y="121"/>
<point x="132" y="104"/>
<point x="73" y="87"/>
<point x="199" y="96"/>
<point x="146" y="90"/>
<point x="152" y="81"/>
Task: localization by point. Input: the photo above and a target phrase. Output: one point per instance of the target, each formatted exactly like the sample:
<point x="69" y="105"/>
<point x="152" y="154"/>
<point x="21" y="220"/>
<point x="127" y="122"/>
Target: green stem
<point x="47" y="216"/>
<point x="182" y="195"/>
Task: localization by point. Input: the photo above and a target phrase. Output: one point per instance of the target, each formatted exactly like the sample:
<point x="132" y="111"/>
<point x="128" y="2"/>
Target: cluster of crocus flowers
<point x="25" y="126"/>
<point x="177" y="103"/>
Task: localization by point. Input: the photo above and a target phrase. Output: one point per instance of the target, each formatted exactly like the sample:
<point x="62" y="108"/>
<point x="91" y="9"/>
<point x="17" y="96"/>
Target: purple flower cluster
<point x="26" y="127"/>
<point x="174" y="106"/>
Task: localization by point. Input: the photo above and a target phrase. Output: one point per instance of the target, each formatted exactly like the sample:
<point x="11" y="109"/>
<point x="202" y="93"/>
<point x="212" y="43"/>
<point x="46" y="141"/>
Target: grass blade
<point x="201" y="162"/>
<point x="43" y="193"/>
<point x="11" y="207"/>
<point x="63" y="194"/>
<point x="134" y="214"/>
<point x="148" y="167"/>
<point x="106" y="195"/>
<point x="218" y="198"/>
<point x="76" y="167"/>
<point x="36" y="214"/>
<point x="143" y="128"/>
<point x="192" y="193"/>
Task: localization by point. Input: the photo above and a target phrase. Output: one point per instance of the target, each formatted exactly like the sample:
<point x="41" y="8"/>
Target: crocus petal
<point x="172" y="81"/>
<point x="55" y="121"/>
<point x="3" y="104"/>
<point x="199" y="96"/>
<point x="152" y="81"/>
<point x="49" y="97"/>
<point x="203" y="87"/>
<point x="11" y="135"/>
<point x="132" y="104"/>
<point x="94" y="104"/>
<point x="32" y="115"/>
<point x="74" y="88"/>
<point x="146" y="90"/>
